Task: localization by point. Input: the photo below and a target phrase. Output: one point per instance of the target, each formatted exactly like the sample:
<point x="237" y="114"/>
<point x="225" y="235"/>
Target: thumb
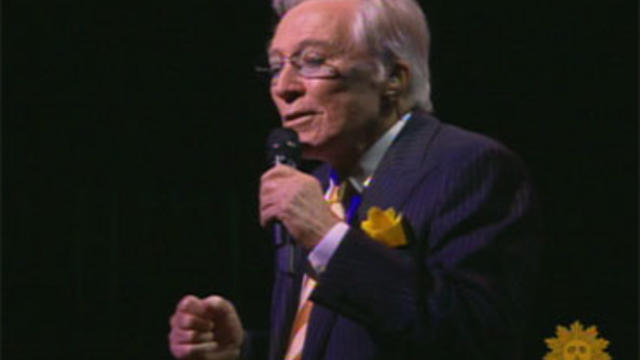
<point x="226" y="320"/>
<point x="217" y="306"/>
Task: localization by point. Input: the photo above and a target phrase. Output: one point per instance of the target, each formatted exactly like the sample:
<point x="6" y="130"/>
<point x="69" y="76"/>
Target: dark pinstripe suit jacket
<point x="458" y="290"/>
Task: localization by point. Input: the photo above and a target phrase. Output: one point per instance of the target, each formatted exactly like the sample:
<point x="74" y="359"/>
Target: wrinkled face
<point x="331" y="113"/>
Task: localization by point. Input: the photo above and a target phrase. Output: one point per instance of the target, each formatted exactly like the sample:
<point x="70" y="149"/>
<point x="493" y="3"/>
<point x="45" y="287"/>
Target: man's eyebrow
<point x="303" y="44"/>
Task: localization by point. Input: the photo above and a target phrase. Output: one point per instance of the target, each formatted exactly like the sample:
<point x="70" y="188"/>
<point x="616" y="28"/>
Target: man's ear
<point x="397" y="81"/>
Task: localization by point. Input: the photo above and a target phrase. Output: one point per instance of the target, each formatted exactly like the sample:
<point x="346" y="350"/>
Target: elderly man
<point x="351" y="78"/>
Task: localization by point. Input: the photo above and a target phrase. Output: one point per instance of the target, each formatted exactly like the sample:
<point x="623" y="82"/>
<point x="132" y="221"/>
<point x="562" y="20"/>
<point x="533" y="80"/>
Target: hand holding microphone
<point x="293" y="198"/>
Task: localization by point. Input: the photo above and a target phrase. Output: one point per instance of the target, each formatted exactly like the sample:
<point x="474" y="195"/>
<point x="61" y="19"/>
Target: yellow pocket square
<point x="384" y="226"/>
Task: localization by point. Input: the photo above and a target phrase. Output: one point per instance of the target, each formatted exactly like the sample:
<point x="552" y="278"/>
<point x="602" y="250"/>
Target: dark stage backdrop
<point x="133" y="142"/>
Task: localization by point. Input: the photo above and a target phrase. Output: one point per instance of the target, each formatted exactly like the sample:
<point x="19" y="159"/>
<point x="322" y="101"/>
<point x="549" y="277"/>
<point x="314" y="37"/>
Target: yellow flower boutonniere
<point x="384" y="226"/>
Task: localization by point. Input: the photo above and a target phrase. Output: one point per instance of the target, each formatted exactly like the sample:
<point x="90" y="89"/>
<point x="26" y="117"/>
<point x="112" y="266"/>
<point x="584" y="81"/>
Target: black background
<point x="132" y="144"/>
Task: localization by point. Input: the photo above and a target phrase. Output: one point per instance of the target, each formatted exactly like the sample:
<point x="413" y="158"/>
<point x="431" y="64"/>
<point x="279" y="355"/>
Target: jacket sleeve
<point x="460" y="289"/>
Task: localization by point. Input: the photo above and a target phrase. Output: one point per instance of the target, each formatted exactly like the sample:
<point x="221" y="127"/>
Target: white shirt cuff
<point x="321" y="254"/>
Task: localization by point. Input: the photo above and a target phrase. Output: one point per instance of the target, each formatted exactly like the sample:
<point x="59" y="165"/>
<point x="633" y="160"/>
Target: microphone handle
<point x="285" y="244"/>
<point x="281" y="236"/>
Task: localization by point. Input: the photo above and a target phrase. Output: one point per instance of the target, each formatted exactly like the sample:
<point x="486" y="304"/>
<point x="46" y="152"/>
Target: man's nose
<point x="288" y="85"/>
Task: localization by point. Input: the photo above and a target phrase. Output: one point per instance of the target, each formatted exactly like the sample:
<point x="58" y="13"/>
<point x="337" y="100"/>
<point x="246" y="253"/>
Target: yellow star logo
<point x="577" y="343"/>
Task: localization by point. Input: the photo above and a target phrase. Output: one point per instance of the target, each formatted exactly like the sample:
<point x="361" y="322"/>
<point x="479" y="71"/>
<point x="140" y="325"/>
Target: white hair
<point x="392" y="30"/>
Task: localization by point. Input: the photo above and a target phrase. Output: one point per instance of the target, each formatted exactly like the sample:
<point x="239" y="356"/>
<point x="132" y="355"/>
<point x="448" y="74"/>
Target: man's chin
<point x="308" y="151"/>
<point x="311" y="152"/>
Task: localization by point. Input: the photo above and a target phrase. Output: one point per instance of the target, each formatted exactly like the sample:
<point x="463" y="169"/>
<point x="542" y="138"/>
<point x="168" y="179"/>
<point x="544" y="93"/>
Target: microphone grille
<point x="283" y="146"/>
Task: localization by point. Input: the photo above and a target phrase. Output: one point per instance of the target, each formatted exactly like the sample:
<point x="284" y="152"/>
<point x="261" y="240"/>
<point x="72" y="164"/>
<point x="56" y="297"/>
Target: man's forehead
<point x="318" y="44"/>
<point x="323" y="23"/>
<point x="331" y="6"/>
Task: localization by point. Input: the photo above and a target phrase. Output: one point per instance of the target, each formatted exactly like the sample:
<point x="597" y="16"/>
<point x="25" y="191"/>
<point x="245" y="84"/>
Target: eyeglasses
<point x="309" y="64"/>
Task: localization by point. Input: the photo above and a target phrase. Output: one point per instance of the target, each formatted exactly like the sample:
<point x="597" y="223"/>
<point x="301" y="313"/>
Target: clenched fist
<point x="207" y="329"/>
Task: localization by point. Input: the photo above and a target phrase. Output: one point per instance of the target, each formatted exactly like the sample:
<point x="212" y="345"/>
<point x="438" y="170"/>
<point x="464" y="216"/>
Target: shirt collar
<point x="372" y="157"/>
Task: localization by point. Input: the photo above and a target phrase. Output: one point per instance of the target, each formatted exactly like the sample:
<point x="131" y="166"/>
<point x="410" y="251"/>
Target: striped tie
<point x="299" y="328"/>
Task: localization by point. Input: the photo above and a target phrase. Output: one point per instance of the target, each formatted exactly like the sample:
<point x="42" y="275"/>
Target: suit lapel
<point x="400" y="169"/>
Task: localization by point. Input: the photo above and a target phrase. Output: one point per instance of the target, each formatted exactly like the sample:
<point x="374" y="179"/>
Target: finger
<point x="190" y="322"/>
<point x="276" y="179"/>
<point x="269" y="174"/>
<point x="269" y="187"/>
<point x="193" y="305"/>
<point x="181" y="336"/>
<point x="278" y="171"/>
<point x="268" y="214"/>
<point x="184" y="351"/>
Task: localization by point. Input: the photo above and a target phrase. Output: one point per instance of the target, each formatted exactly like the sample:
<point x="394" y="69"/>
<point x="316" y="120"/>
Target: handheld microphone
<point x="283" y="147"/>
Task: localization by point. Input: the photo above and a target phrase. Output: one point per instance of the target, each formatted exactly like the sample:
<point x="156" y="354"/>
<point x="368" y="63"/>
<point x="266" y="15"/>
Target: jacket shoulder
<point x="452" y="145"/>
